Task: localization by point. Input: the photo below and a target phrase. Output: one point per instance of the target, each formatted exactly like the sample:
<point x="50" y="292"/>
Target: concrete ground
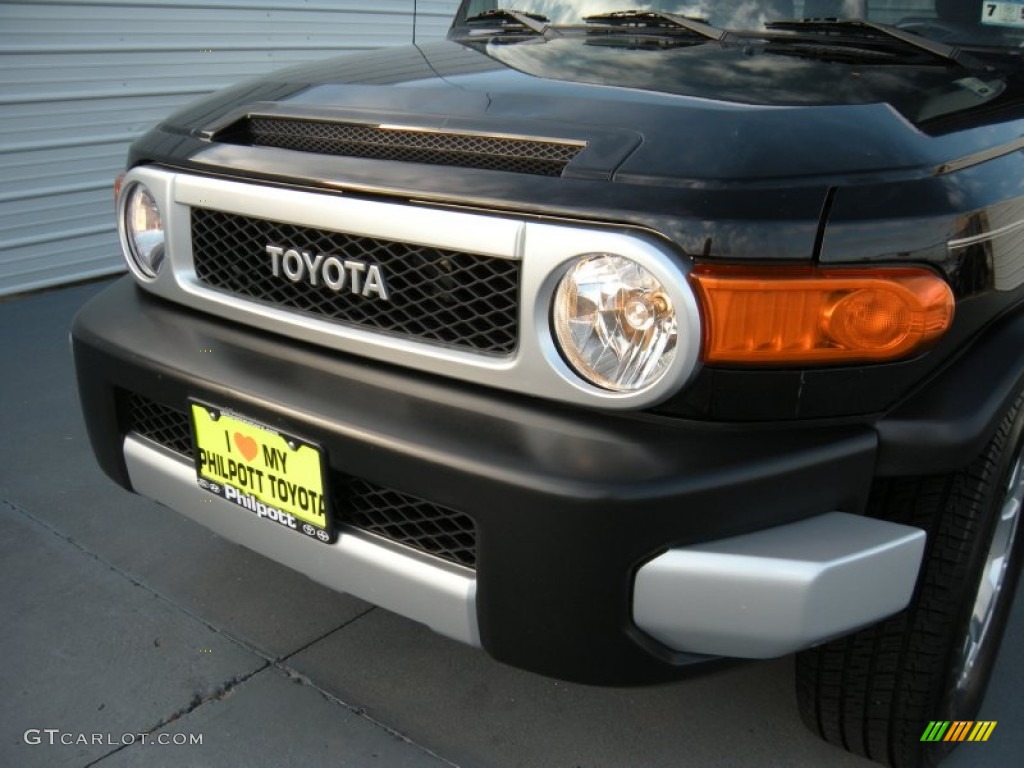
<point x="124" y="622"/>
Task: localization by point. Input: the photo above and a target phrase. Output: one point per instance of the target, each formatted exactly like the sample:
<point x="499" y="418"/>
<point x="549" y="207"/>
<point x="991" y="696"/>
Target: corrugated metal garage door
<point x="79" y="79"/>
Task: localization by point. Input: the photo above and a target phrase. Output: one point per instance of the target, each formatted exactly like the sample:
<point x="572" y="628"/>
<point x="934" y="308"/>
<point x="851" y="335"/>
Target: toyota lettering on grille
<point x="357" y="277"/>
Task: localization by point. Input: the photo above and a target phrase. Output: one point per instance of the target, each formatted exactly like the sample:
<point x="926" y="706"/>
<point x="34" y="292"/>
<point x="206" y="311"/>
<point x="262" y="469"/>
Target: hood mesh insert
<point x="495" y="153"/>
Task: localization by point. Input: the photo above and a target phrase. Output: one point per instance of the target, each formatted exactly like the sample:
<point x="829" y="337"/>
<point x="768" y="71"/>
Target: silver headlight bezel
<point x="673" y="275"/>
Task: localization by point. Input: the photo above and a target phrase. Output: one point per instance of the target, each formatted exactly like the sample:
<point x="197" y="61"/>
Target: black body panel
<point x="568" y="503"/>
<point x="739" y="154"/>
<point x="740" y="172"/>
<point x="730" y="153"/>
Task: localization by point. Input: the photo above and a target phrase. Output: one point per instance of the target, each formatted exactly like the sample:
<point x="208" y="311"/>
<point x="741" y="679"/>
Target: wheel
<point x="876" y="691"/>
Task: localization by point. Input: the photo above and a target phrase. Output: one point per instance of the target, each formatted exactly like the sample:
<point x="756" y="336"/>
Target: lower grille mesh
<point x="393" y="515"/>
<point x="411" y="521"/>
<point x="167" y="426"/>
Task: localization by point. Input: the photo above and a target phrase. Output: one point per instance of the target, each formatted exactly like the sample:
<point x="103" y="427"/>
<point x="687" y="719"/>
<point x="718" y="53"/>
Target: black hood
<point x="725" y="150"/>
<point x="699" y="112"/>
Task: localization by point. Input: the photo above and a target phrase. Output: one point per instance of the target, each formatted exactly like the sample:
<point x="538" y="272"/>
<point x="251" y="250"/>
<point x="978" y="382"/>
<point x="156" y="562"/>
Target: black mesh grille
<point x="496" y="153"/>
<point x="433" y="294"/>
<point x="396" y="516"/>
<point x="411" y="521"/>
<point x="167" y="426"/>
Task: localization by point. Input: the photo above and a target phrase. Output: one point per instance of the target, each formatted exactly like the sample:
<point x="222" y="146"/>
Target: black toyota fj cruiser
<point x="610" y="338"/>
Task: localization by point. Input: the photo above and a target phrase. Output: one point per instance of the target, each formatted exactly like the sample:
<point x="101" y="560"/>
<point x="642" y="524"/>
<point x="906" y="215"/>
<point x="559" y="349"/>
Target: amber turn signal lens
<point x="787" y="315"/>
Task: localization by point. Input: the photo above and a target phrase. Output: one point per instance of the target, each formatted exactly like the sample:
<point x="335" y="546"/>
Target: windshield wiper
<point x="532" y="22"/>
<point x="860" y="31"/>
<point x="660" y="19"/>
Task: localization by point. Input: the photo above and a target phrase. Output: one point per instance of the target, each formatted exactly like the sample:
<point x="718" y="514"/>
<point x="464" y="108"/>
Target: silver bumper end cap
<point x="780" y="590"/>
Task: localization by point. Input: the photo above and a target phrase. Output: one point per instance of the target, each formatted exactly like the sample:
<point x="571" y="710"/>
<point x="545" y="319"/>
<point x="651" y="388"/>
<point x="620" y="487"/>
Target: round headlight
<point x="615" y="323"/>
<point x="144" y="231"/>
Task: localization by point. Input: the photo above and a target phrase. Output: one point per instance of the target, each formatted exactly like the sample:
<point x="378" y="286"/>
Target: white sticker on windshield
<point x="979" y="88"/>
<point x="1003" y="14"/>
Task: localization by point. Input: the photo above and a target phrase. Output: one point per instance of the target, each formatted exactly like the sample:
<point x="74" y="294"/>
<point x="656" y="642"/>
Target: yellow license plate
<point x="276" y="477"/>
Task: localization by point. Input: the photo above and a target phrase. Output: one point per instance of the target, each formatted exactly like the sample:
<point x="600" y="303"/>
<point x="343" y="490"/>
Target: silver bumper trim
<point x="421" y="588"/>
<point x="780" y="590"/>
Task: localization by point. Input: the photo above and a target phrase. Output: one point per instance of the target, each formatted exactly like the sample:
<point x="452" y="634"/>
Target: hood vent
<point x="545" y="157"/>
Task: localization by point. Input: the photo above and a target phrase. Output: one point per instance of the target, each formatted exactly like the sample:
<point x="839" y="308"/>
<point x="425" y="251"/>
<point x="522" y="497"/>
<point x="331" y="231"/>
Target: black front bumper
<point x="567" y="503"/>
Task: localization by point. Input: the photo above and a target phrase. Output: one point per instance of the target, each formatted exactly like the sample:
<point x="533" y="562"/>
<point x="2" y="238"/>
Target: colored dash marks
<point x="958" y="730"/>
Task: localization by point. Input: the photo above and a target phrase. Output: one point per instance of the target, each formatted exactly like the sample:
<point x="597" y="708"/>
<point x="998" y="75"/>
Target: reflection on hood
<point x="728" y="14"/>
<point x="756" y="74"/>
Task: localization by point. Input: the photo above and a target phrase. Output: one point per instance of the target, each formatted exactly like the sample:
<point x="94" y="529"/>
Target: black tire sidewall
<point x="875" y="691"/>
<point x="1005" y="454"/>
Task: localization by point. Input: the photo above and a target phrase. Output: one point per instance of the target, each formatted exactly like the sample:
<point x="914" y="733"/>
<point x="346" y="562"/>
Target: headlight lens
<point x="615" y="323"/>
<point x="144" y="229"/>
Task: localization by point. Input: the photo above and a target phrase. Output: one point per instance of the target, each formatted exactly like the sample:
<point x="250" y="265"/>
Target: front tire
<point x="874" y="692"/>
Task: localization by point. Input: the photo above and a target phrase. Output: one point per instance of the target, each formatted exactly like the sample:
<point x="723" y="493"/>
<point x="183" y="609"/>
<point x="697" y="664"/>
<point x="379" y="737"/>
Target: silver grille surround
<point x="546" y="250"/>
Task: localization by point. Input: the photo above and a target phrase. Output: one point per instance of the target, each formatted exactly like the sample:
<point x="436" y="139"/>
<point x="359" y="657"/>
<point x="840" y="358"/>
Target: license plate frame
<point x="246" y="462"/>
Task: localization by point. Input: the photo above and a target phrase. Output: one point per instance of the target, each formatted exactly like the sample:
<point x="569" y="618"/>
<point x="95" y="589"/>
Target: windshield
<point x="962" y="22"/>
